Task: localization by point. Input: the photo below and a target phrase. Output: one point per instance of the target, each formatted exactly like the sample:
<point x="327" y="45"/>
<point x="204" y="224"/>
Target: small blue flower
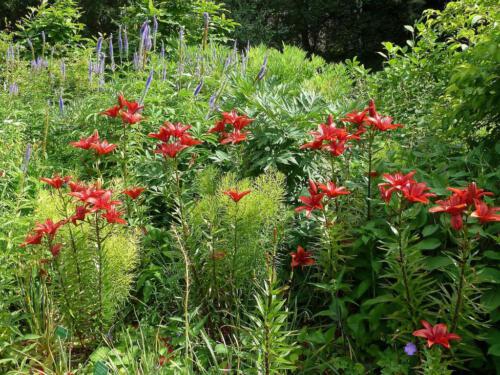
<point x="410" y="349"/>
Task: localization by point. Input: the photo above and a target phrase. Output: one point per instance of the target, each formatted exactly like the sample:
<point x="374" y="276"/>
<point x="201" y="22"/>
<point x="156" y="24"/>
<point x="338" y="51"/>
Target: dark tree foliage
<point x="334" y="29"/>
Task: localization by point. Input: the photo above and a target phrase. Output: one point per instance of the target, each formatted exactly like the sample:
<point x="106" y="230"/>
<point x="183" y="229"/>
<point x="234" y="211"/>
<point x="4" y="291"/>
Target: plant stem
<point x="402" y="262"/>
<point x="124" y="142"/>
<point x="369" y="187"/>
<point x="461" y="282"/>
<point x="182" y="240"/>
<point x="331" y="247"/>
<point x="100" y="273"/>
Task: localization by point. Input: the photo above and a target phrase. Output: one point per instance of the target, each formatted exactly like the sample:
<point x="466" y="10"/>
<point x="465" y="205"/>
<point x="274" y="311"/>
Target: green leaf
<point x="221" y="349"/>
<point x="491" y="299"/>
<point x="61" y="332"/>
<point x="100" y="368"/>
<point x="429" y="229"/>
<point x="409" y="28"/>
<point x="491" y="254"/>
<point x="428" y="244"/>
<point x="489" y="275"/>
<point x="494" y="350"/>
<point x="433" y="263"/>
<point x="379" y="299"/>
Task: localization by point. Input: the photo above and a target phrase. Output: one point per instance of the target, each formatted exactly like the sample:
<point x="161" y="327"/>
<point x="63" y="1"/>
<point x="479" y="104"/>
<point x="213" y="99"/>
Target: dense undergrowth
<point x="186" y="249"/>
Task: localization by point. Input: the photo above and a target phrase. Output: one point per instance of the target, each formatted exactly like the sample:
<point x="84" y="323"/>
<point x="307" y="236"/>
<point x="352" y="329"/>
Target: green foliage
<point x="59" y="22"/>
<point x="214" y="276"/>
<point x="227" y="264"/>
<point x="76" y="271"/>
<point x="188" y="14"/>
<point x="273" y="348"/>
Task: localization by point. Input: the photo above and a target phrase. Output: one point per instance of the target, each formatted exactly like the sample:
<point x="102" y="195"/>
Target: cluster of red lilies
<point x="88" y="199"/>
<point x="237" y="122"/>
<point x="93" y="142"/>
<point x="334" y="138"/>
<point x="173" y="139"/>
<point x="315" y="199"/>
<point x="460" y="204"/>
<point x="129" y="111"/>
<point x="404" y="184"/>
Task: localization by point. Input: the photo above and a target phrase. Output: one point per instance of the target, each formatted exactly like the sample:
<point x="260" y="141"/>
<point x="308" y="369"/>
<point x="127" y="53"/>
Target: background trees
<point x="334" y="29"/>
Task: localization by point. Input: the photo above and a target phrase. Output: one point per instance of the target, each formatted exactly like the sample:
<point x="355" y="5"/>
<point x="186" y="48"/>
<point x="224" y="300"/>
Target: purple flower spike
<point x="148" y="85"/>
<point x="61" y="105"/>
<point x="111" y="52"/>
<point x="63" y="69"/>
<point x="125" y="42"/>
<point x="27" y="157"/>
<point x="98" y="46"/>
<point x="13" y="89"/>
<point x="263" y="70"/>
<point x="198" y="88"/>
<point x="155" y="26"/>
<point x="211" y="102"/>
<point x="410" y="349"/>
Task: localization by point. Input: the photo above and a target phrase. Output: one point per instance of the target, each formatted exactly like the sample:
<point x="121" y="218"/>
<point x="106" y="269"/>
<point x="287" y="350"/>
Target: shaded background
<point x="334" y="29"/>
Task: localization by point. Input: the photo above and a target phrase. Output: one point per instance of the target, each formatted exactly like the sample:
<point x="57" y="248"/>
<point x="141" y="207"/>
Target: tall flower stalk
<point x="460" y="206"/>
<point x="408" y="191"/>
<point x="174" y="138"/>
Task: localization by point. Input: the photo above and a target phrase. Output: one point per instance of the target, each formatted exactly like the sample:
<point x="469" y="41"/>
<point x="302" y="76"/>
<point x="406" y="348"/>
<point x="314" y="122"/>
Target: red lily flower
<point x="85" y="143"/>
<point x="336" y="148"/>
<point x="301" y="258"/>
<point x="177" y="130"/>
<point x="235" y="195"/>
<point x="332" y="191"/>
<point x="112" y="112"/>
<point x="314" y="145"/>
<point x="471" y="193"/>
<point x="230" y="117"/>
<point x="103" y="148"/>
<point x="84" y="193"/>
<point x="114" y="217"/>
<point x="484" y="213"/>
<point x="313" y="202"/>
<point x="242" y="121"/>
<point x="383" y="123"/>
<point x="56" y="249"/>
<point x="163" y="134"/>
<point x="32" y="239"/>
<point x="170" y="149"/>
<point x="103" y="202"/>
<point x="437" y="334"/>
<point x="56" y="181"/>
<point x="49" y="228"/>
<point x="134" y="192"/>
<point x="395" y="182"/>
<point x="454" y="206"/>
<point x="76" y="186"/>
<point x="79" y="215"/>
<point x="355" y="117"/>
<point x="187" y="140"/>
<point x="219" y="127"/>
<point x="131" y="117"/>
<point x="234" y="137"/>
<point x="132" y="107"/>
<point x="416" y="192"/>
